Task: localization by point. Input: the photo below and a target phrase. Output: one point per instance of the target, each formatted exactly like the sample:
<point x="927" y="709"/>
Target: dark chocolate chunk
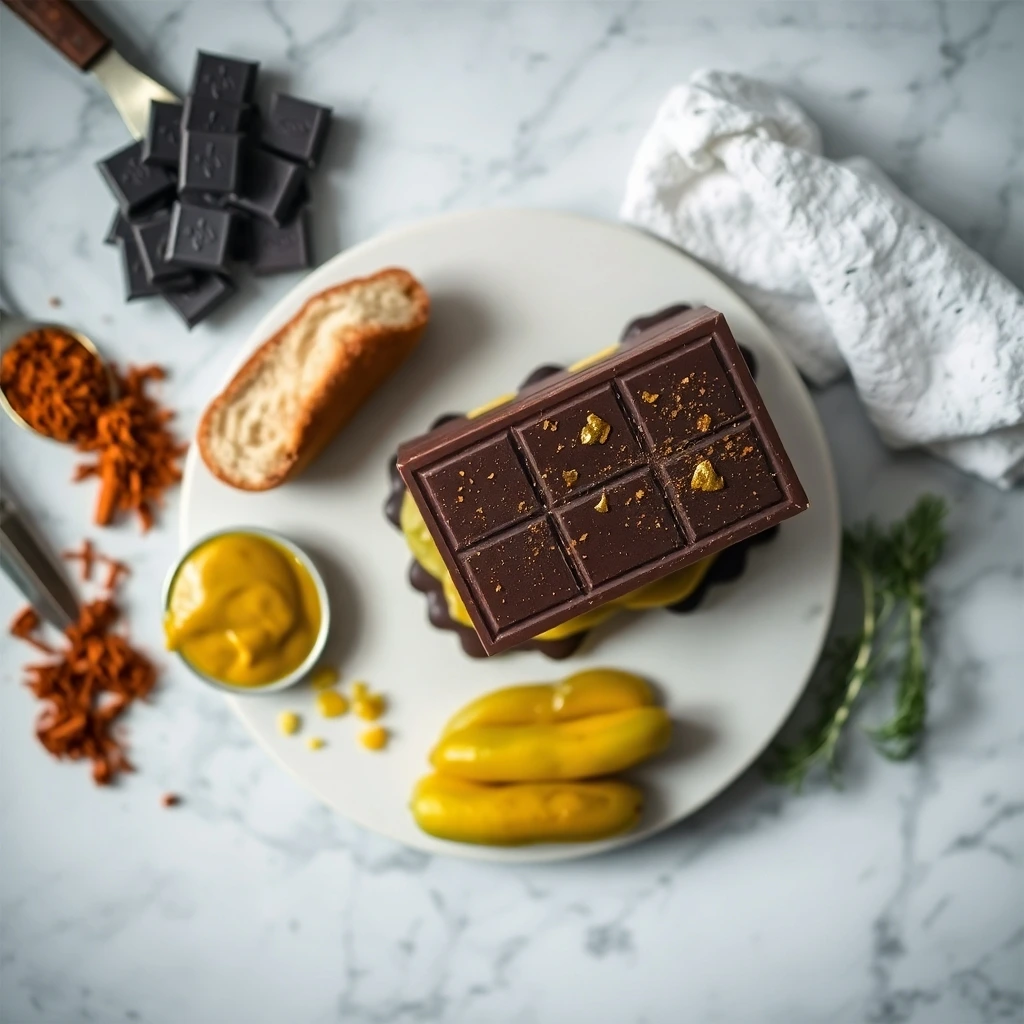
<point x="196" y="303"/>
<point x="120" y="229"/>
<point x="277" y="250"/>
<point x="483" y="490"/>
<point x="241" y="237"/>
<point x="619" y="529"/>
<point x="269" y="187"/>
<point x="199" y="237"/>
<point x="637" y="327"/>
<point x="135" y="185"/>
<point x="151" y="239"/>
<point x="227" y="79"/>
<point x="675" y="489"/>
<point x="681" y="398"/>
<point x="210" y="162"/>
<point x="136" y="284"/>
<point x="162" y="144"/>
<point x="520" y="574"/>
<point x="213" y="116"/>
<point x="749" y="483"/>
<point x="570" y="450"/>
<point x="296" y="128"/>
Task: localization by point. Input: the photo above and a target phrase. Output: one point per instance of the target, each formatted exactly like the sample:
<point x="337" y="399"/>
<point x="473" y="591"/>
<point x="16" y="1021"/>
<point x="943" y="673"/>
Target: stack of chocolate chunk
<point x="213" y="185"/>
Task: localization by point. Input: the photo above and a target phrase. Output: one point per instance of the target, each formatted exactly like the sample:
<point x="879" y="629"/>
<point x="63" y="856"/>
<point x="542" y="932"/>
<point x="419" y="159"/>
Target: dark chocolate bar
<point x="199" y="237"/>
<point x="162" y="143"/>
<point x="205" y="115"/>
<point x="276" y="250"/>
<point x="196" y="303"/>
<point x="210" y="162"/>
<point x="600" y="481"/>
<point x="296" y="128"/>
<point x="269" y="186"/>
<point x="223" y="78"/>
<point x="151" y="239"/>
<point x="135" y="185"/>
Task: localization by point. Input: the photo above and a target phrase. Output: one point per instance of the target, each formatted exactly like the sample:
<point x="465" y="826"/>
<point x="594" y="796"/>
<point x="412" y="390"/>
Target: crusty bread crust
<point x="364" y="357"/>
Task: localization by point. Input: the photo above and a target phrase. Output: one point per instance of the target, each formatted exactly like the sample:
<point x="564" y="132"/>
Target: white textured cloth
<point x="849" y="273"/>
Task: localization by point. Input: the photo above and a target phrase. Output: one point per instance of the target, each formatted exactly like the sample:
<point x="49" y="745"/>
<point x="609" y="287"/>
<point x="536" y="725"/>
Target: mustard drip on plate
<point x="675" y="587"/>
<point x="243" y="610"/>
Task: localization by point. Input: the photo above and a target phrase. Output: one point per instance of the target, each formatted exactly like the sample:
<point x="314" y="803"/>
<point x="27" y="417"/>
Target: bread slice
<point x="299" y="388"/>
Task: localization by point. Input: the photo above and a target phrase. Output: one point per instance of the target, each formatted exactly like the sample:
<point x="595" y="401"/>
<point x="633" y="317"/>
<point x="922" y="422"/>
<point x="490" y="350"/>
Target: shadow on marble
<point x="343" y="593"/>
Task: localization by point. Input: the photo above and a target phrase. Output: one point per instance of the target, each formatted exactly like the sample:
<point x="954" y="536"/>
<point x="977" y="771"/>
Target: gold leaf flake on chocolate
<point x="595" y="431"/>
<point x="602" y="505"/>
<point x="705" y="478"/>
<point x="648" y="397"/>
<point x="704" y="423"/>
<point x="584" y="536"/>
<point x="639" y="494"/>
<point x="570" y="476"/>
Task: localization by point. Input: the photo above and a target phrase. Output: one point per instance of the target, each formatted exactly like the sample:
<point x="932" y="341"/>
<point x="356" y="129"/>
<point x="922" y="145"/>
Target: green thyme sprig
<point x="891" y="566"/>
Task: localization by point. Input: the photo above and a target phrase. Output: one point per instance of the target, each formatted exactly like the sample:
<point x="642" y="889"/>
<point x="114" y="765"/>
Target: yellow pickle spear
<point x="578" y="749"/>
<point x="514" y="815"/>
<point x="591" y="692"/>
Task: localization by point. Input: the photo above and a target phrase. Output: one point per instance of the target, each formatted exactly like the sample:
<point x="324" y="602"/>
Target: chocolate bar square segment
<point x="151" y="237"/>
<point x="120" y="229"/>
<point x="136" y="284"/>
<point x="213" y="116"/>
<point x="578" y="444"/>
<point x="681" y="398"/>
<point x="197" y="302"/>
<point x="479" y="491"/>
<point x="619" y="528"/>
<point x="162" y="144"/>
<point x="277" y="250"/>
<point x="269" y="186"/>
<point x="210" y="162"/>
<point x="199" y="237"/>
<point x="520" y="574"/>
<point x="296" y="128"/>
<point x="227" y="79"/>
<point x="727" y="480"/>
<point x="135" y="185"/>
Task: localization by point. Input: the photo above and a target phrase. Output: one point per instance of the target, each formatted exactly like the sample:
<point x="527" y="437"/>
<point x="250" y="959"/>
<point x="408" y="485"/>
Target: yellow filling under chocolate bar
<point x="668" y="590"/>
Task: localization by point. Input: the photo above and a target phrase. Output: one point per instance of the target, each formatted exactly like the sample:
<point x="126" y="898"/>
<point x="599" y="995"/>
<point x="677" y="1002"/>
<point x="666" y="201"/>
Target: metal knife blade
<point x="34" y="571"/>
<point x="130" y="89"/>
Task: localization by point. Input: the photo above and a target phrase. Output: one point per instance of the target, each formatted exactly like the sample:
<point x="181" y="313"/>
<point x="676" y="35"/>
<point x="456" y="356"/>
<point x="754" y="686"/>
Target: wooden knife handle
<point x="64" y="27"/>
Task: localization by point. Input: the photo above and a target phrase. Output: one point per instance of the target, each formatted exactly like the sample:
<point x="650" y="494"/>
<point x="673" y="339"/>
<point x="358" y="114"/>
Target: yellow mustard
<point x="243" y="610"/>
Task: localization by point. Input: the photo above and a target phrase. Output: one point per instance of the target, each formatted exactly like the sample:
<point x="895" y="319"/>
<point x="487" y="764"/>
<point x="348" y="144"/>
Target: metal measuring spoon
<point x="14" y="326"/>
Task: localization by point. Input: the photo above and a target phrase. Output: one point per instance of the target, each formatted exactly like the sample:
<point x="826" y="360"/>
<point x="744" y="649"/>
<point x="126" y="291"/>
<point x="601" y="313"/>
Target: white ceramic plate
<point x="512" y="289"/>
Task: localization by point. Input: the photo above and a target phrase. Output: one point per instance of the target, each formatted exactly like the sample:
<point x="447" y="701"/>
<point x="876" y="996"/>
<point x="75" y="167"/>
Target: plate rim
<point x="321" y="277"/>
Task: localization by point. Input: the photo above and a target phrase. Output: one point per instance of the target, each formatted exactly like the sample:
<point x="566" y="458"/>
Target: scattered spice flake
<point x="170" y="800"/>
<point x="704" y="423"/>
<point x="602" y="505"/>
<point x="54" y="302"/>
<point x="24" y="626"/>
<point x="705" y="478"/>
<point x="522" y="506"/>
<point x="115" y="570"/>
<point x="583" y="537"/>
<point x="497" y="588"/>
<point x="549" y="425"/>
<point x="458" y="497"/>
<point x="91" y="682"/>
<point x="490" y="476"/>
<point x="137" y="457"/>
<point x="570" y="476"/>
<point x="649" y="398"/>
<point x="86" y="554"/>
<point x="747" y="449"/>
<point x="462" y="472"/>
<point x="595" y="431"/>
<point x="639" y="493"/>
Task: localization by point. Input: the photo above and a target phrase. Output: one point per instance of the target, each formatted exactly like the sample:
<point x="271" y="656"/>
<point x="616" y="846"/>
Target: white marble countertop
<point x="898" y="899"/>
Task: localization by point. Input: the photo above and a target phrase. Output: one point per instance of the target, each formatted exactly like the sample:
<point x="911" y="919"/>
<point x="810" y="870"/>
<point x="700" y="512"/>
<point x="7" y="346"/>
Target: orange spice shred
<point x="86" y="687"/>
